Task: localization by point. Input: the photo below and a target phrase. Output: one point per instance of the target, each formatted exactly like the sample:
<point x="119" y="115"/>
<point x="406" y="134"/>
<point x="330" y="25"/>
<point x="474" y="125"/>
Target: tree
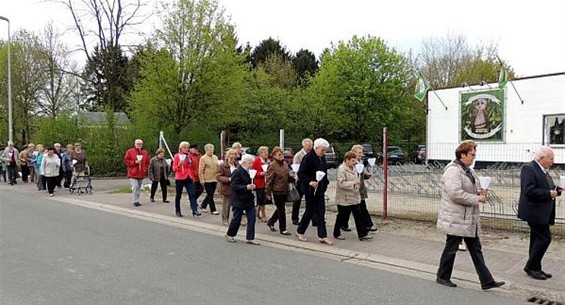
<point x="193" y="73"/>
<point x="451" y="61"/>
<point x="306" y="65"/>
<point x="360" y="88"/>
<point x="105" y="79"/>
<point x="268" y="48"/>
<point x="282" y="72"/>
<point x="61" y="85"/>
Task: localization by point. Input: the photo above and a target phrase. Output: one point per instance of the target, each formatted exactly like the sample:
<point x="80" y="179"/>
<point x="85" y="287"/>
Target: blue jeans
<point x="189" y="186"/>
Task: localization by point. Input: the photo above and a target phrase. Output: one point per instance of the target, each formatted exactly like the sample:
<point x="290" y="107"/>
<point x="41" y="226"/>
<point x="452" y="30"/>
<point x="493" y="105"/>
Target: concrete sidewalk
<point x="395" y="247"/>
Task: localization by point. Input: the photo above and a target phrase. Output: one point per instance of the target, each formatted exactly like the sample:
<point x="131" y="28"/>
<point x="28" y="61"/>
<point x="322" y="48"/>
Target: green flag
<point x="502" y="77"/>
<point x="422" y="87"/>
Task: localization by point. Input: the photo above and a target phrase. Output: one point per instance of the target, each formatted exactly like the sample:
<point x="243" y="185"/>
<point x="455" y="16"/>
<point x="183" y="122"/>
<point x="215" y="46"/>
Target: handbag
<point x="293" y="194"/>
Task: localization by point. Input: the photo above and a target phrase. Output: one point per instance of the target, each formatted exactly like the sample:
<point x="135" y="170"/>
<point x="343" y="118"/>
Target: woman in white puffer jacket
<point x="459" y="216"/>
<point x="50" y="169"/>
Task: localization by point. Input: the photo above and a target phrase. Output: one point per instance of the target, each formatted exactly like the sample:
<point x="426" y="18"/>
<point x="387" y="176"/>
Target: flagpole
<point x="509" y="80"/>
<point x="439" y="98"/>
<point x="434" y="91"/>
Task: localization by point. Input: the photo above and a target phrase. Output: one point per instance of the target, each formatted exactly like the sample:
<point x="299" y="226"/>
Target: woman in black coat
<point x="242" y="200"/>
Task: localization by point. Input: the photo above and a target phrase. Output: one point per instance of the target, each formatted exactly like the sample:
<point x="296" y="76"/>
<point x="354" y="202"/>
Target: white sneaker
<point x="51" y="195"/>
<point x="462" y="247"/>
<point x="215" y="213"/>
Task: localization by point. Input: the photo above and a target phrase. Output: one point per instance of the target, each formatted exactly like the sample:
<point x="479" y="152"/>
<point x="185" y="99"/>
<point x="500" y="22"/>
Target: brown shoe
<point x="326" y="241"/>
<point x="301" y="237"/>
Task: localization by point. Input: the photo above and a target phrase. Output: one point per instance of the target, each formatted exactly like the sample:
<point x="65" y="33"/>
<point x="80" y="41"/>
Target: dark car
<point x="331" y="157"/>
<point x="394" y="155"/>
<point x="367" y="152"/>
<point x="420" y="155"/>
<point x="288" y="154"/>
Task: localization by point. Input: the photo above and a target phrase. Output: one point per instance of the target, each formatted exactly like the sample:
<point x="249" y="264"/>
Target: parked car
<point x="367" y="152"/>
<point x="420" y="155"/>
<point x="288" y="154"/>
<point x="331" y="157"/>
<point x="394" y="155"/>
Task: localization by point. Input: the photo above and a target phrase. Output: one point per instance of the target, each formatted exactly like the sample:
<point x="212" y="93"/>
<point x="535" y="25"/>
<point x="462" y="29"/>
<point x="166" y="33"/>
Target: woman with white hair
<point x="314" y="179"/>
<point x="184" y="178"/>
<point x="242" y="201"/>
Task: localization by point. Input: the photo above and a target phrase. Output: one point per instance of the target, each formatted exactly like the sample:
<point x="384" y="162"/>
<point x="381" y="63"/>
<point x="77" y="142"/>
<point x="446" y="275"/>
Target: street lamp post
<point x="10" y="119"/>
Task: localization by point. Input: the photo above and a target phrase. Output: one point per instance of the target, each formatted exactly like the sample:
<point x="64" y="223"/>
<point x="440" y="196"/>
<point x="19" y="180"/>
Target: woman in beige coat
<point x="348" y="198"/>
<point x="459" y="216"/>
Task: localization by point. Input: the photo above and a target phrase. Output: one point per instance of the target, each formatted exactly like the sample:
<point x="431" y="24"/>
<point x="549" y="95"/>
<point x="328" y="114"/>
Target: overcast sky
<point x="530" y="34"/>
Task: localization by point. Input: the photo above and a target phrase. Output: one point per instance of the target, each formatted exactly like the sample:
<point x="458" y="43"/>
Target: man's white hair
<point x="306" y="140"/>
<point x="542" y="151"/>
<point x="320" y="142"/>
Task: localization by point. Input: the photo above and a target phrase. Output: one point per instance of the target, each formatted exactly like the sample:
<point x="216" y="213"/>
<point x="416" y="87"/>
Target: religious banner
<point x="482" y="115"/>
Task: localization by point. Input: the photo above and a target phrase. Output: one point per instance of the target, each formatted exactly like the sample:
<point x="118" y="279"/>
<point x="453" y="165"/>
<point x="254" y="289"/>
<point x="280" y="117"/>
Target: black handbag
<point x="293" y="194"/>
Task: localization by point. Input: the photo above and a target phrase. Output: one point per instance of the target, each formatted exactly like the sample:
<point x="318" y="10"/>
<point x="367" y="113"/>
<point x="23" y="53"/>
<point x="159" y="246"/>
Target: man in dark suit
<point x="242" y="200"/>
<point x="537" y="207"/>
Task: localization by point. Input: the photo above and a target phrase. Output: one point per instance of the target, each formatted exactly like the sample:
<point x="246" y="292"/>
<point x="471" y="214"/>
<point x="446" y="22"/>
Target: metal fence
<point x="414" y="192"/>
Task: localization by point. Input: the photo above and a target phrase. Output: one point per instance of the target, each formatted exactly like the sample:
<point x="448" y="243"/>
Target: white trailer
<point x="507" y="124"/>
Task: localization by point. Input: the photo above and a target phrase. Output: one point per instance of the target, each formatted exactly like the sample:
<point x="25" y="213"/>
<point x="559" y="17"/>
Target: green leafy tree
<point x="360" y="88"/>
<point x="193" y="73"/>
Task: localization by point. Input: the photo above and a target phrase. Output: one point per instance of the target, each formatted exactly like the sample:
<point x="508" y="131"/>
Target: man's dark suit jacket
<point x="536" y="204"/>
<point x="240" y="196"/>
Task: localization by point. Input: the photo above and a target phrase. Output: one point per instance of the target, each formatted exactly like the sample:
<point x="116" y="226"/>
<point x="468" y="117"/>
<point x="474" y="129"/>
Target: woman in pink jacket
<point x="184" y="178"/>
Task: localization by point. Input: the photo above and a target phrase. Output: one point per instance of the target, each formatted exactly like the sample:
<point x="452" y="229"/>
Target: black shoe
<point x="295" y="222"/>
<point x="151" y="199"/>
<point x="346" y="229"/>
<point x="535" y="274"/>
<point x="366" y="237"/>
<point x="272" y="228"/>
<point x="136" y="204"/>
<point x="547" y="275"/>
<point x="493" y="284"/>
<point x="285" y="233"/>
<point x="447" y="283"/>
<point x="372" y="229"/>
<point x="196" y="214"/>
<point x="166" y="201"/>
<point x="339" y="237"/>
<point x="179" y="214"/>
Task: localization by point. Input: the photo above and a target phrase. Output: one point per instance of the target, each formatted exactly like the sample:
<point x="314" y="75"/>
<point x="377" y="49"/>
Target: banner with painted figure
<point x="482" y="115"/>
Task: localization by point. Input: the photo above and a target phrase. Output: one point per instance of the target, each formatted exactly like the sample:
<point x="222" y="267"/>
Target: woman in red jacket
<point x="260" y="165"/>
<point x="184" y="177"/>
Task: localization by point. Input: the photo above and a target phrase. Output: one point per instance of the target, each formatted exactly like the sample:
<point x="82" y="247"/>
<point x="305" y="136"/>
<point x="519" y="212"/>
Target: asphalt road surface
<point x="57" y="253"/>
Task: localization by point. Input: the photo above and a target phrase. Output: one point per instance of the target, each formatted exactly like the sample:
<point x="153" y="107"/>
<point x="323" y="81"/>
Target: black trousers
<point x="540" y="238"/>
<point x="365" y="217"/>
<point x="25" y="172"/>
<point x="296" y="206"/>
<point x="154" y="185"/>
<point x="315" y="209"/>
<point x="279" y="214"/>
<point x="198" y="189"/>
<point x="210" y="188"/>
<point x="475" y="250"/>
<point x="67" y="175"/>
<point x="342" y="218"/>
<point x="51" y="182"/>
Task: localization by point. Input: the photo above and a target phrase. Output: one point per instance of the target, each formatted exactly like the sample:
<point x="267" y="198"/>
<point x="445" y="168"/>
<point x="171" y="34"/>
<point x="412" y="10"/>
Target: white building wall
<point x="523" y="129"/>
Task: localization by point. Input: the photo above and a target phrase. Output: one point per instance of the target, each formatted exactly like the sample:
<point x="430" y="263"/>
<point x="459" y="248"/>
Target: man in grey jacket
<point x="11" y="155"/>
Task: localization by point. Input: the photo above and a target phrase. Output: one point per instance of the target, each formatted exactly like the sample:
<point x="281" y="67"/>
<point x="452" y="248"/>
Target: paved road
<point x="56" y="253"/>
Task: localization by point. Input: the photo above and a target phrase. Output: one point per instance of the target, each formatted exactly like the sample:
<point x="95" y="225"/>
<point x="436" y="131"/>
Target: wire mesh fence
<point x="414" y="192"/>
